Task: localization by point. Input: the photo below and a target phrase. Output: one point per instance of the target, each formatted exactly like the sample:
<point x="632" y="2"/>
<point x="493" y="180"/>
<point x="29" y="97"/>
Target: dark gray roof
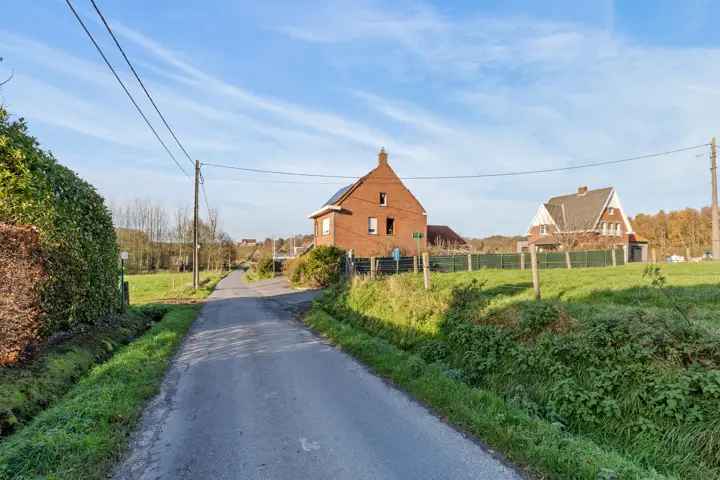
<point x="337" y="195"/>
<point x="578" y="212"/>
<point x="437" y="234"/>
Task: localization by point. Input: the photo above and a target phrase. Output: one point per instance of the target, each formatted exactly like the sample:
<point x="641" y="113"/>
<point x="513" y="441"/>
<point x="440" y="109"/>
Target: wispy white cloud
<point x="470" y="94"/>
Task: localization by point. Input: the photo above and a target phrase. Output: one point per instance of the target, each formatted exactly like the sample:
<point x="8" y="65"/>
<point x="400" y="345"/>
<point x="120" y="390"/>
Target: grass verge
<point x="84" y="433"/>
<point x="543" y="448"/>
<point x="27" y="389"/>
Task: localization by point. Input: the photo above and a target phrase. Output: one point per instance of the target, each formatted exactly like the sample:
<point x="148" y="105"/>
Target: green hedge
<point x="77" y="236"/>
<point x="318" y="268"/>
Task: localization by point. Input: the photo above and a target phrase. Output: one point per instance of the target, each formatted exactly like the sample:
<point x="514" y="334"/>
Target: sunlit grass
<point x="170" y="286"/>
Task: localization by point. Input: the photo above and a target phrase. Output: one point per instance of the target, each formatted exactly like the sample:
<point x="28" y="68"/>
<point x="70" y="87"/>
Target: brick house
<point x="586" y="219"/>
<point x="372" y="216"/>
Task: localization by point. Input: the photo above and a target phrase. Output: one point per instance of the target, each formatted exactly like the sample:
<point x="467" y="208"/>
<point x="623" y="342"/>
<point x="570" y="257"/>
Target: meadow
<point x="626" y="359"/>
<point x="168" y="287"/>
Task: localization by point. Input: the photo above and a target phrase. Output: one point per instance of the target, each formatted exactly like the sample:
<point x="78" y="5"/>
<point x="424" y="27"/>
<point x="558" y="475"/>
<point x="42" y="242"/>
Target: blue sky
<point x="447" y="88"/>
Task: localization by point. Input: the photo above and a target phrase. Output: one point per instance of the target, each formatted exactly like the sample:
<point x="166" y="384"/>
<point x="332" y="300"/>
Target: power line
<point x="137" y="77"/>
<point x="204" y="194"/>
<point x="277" y="172"/>
<point x="482" y="175"/>
<point x="127" y="92"/>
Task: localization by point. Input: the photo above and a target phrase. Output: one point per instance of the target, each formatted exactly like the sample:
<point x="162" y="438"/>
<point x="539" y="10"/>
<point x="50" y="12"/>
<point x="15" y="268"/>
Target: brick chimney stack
<point x="382" y="157"/>
<point x="582" y="190"/>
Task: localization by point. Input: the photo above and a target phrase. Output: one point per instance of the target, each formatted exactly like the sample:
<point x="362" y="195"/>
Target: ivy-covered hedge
<point x="76" y="232"/>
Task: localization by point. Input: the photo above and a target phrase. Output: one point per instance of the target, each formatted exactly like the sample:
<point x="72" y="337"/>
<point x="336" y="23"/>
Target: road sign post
<point x="417" y="236"/>
<point x="123" y="256"/>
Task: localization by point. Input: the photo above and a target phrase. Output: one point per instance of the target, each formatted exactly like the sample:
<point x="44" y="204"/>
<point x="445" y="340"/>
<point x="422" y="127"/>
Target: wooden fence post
<point x="415" y="264"/>
<point x="568" y="262"/>
<point x="469" y="262"/>
<point x="522" y="260"/>
<point x="426" y="269"/>
<point x="501" y="261"/>
<point x="535" y="271"/>
<point x="654" y="255"/>
<point x="614" y="260"/>
<point x="372" y="268"/>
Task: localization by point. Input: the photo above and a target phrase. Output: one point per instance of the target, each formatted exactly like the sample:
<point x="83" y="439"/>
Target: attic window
<point x="611" y="210"/>
<point x="543" y="229"/>
<point x="383" y="199"/>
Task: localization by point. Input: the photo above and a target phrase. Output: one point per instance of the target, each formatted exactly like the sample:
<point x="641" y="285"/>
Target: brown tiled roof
<point x="442" y="233"/>
<point x="578" y="211"/>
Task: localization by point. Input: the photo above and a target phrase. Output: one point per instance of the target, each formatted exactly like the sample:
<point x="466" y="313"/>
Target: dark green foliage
<point x="76" y="231"/>
<point x="318" y="268"/>
<point x="266" y="266"/>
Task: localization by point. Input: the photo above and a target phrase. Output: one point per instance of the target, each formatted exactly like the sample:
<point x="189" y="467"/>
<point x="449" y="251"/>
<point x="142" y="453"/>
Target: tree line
<point x="157" y="238"/>
<point x="676" y="232"/>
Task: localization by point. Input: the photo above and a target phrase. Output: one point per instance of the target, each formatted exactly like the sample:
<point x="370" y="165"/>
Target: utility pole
<point x="196" y="256"/>
<point x="714" y="208"/>
<point x="273" y="259"/>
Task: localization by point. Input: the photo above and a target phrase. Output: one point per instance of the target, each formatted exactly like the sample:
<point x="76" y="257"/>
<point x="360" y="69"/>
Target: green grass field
<point x="73" y="411"/>
<point x="170" y="286"/>
<point x="605" y="358"/>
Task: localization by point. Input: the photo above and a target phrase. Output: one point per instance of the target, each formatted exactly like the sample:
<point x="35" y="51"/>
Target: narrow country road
<point x="253" y="394"/>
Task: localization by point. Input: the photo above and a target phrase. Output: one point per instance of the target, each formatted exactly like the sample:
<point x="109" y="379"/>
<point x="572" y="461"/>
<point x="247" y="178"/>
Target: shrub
<point x="77" y="238"/>
<point x="318" y="268"/>
<point x="265" y="266"/>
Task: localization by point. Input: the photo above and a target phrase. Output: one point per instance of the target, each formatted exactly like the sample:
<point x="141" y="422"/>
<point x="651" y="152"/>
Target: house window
<point x="611" y="210"/>
<point x="383" y="199"/>
<point x="617" y="229"/>
<point x="543" y="229"/>
<point x="390" y="226"/>
<point x="326" y="226"/>
<point x="372" y="226"/>
<point x="604" y="227"/>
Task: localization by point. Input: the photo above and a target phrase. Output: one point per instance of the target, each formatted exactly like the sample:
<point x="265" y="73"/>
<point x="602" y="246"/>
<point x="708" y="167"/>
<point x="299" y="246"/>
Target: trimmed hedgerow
<point x="76" y="232"/>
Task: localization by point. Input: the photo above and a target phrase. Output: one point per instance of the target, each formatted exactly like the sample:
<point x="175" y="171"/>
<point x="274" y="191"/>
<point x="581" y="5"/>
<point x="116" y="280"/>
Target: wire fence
<point x="479" y="261"/>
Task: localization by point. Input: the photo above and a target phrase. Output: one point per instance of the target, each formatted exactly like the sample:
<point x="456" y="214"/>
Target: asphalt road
<point x="253" y="394"/>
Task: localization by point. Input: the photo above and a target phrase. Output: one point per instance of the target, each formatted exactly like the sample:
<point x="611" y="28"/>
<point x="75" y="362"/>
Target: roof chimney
<point x="582" y="190"/>
<point x="382" y="157"/>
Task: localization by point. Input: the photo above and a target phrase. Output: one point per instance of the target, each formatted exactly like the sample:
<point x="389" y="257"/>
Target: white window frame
<point x="617" y="229"/>
<point x="611" y="210"/>
<point x="372" y="226"/>
<point x="383" y="198"/>
<point x="543" y="229"/>
<point x="604" y="226"/>
<point x="326" y="226"/>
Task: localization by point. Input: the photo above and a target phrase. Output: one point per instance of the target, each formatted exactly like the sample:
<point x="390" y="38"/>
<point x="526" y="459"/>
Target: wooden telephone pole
<point x="196" y="256"/>
<point x="714" y="208"/>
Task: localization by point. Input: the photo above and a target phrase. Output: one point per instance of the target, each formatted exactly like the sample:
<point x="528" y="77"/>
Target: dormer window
<point x="383" y="199"/>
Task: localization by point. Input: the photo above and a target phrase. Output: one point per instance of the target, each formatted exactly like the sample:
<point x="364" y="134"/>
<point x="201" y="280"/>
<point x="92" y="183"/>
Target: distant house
<point x="248" y="242"/>
<point x="372" y="216"/>
<point x="444" y="236"/>
<point x="585" y="219"/>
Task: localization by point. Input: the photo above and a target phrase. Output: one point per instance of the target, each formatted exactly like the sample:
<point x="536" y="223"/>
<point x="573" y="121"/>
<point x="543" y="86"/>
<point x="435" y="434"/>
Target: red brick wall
<point x="349" y="228"/>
